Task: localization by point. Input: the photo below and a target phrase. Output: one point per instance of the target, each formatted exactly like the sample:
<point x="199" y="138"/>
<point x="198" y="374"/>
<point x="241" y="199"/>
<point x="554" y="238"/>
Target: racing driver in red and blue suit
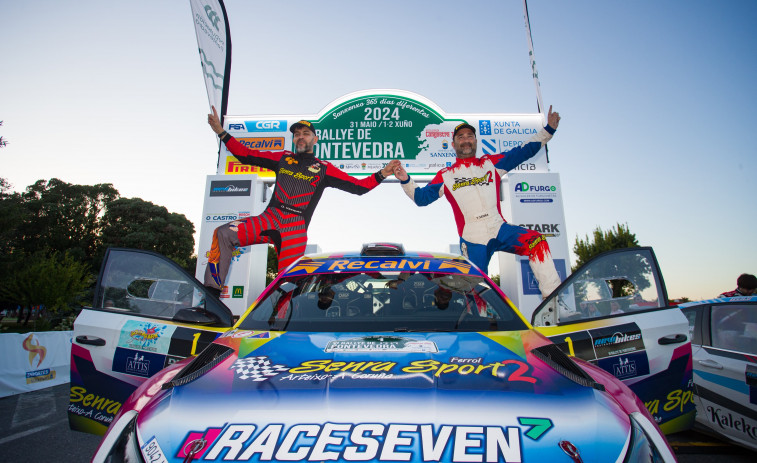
<point x="471" y="185"/>
<point x="300" y="181"/>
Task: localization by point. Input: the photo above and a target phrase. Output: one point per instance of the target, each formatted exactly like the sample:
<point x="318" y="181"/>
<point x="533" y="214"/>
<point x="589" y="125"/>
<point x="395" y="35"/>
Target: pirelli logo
<point x="234" y="167"/>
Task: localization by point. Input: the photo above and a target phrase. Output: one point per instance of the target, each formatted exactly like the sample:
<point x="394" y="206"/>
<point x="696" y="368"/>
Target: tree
<point x="3" y="141"/>
<point x="135" y="223"/>
<point x="56" y="281"/>
<point x="64" y="217"/>
<point x="616" y="238"/>
<point x="272" y="265"/>
<point x="620" y="237"/>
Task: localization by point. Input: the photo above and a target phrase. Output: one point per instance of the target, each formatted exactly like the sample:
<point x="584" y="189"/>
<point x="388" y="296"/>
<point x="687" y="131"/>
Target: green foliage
<point x="616" y="238"/>
<point x="135" y="223"/>
<point x="495" y="279"/>
<point x="619" y="237"/>
<point x="64" y="217"/>
<point x="272" y="265"/>
<point x="55" y="281"/>
<point x="53" y="237"/>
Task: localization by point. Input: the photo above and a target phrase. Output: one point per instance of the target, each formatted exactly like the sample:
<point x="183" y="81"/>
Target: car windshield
<point x="382" y="301"/>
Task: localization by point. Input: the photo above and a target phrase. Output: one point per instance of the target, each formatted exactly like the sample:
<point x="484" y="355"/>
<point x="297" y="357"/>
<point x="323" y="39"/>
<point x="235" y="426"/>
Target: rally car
<point x="724" y="341"/>
<point x="381" y="355"/>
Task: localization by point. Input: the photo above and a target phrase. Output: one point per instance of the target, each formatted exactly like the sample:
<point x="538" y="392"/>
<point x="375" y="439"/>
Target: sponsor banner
<point x="229" y="198"/>
<point x="533" y="201"/>
<point x="33" y="361"/>
<point x="214" y="46"/>
<point x="728" y="421"/>
<point x="617" y="340"/>
<point x="146" y="336"/>
<point x="626" y="366"/>
<point x="137" y="362"/>
<point x="528" y="279"/>
<point x="381" y="344"/>
<point x="231" y="188"/>
<point x="363" y="131"/>
<point x="380" y="264"/>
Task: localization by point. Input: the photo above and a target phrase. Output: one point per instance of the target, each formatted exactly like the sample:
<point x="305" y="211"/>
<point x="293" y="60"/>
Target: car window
<point x="692" y="315"/>
<point x="611" y="285"/>
<point x="385" y="301"/>
<point x="734" y="328"/>
<point x="147" y="285"/>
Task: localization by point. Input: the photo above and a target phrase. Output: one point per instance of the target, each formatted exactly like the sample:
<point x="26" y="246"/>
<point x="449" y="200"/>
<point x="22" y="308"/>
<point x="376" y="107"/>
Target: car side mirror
<point x="197" y="316"/>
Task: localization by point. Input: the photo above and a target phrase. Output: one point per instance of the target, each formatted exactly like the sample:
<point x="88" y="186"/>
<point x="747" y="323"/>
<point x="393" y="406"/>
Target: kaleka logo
<point x="34" y="350"/>
<point x="525" y="187"/>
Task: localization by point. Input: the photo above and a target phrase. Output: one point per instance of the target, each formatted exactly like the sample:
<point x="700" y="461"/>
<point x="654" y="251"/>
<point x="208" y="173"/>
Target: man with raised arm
<point x="300" y="181"/>
<point x="471" y="185"/>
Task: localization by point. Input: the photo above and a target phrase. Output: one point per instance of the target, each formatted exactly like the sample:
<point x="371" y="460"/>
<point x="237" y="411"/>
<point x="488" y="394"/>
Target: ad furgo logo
<point x="525" y="187"/>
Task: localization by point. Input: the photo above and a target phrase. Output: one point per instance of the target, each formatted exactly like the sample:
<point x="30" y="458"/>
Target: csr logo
<point x="265" y="126"/>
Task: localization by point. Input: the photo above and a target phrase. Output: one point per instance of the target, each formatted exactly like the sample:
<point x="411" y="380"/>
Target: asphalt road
<point x="34" y="428"/>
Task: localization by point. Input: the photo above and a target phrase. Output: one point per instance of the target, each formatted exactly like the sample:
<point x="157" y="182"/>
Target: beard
<point x="304" y="147"/>
<point x="466" y="150"/>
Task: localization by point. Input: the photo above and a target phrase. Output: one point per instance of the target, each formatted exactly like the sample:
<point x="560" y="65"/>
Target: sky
<point x="656" y="100"/>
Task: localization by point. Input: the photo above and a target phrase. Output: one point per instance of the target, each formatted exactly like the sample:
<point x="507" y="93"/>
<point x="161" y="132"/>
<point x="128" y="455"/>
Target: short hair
<point x="746" y="281"/>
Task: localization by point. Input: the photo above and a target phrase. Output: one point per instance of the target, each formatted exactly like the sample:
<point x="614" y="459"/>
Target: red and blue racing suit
<point x="472" y="187"/>
<point x="300" y="181"/>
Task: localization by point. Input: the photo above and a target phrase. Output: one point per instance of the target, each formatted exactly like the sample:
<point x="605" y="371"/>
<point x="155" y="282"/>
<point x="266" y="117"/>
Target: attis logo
<point x="525" y="187"/>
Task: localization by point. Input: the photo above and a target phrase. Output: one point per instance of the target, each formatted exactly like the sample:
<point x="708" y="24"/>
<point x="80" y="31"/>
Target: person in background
<point x="746" y="285"/>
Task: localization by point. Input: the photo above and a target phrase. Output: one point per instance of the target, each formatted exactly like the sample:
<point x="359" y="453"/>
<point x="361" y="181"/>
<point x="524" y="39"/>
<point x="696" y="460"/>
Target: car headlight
<point x="121" y="446"/>
<point x="646" y="443"/>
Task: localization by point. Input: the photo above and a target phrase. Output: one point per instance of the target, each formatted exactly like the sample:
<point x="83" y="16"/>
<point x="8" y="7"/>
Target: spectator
<point x="746" y="285"/>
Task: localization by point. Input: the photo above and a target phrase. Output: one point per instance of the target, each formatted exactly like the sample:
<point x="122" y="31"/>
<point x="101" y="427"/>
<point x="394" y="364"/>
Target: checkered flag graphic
<point x="257" y="368"/>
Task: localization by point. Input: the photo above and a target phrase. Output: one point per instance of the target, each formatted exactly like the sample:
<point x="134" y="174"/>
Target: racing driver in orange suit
<point x="300" y="181"/>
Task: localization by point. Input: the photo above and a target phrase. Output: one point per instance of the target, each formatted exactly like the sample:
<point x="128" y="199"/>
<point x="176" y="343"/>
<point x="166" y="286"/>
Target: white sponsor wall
<point x="533" y="201"/>
<point x="360" y="133"/>
<point x="33" y="361"/>
<point x="229" y="198"/>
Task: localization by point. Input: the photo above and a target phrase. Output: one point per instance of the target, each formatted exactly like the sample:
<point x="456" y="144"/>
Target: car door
<point x="614" y="312"/>
<point x="724" y="346"/>
<point x="147" y="313"/>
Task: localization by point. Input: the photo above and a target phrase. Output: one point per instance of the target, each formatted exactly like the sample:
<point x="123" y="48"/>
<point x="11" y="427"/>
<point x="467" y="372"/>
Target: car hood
<point x="375" y="397"/>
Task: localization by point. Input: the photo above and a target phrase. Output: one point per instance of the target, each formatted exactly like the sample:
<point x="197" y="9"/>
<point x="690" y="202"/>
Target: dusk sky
<point x="655" y="99"/>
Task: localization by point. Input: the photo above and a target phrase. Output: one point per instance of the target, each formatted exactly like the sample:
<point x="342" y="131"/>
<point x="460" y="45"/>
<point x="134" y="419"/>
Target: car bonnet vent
<point x="556" y="358"/>
<point x="204" y="362"/>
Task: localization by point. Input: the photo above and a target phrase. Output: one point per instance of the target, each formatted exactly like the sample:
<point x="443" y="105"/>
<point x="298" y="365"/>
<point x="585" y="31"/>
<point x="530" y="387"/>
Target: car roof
<point x="719" y="300"/>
